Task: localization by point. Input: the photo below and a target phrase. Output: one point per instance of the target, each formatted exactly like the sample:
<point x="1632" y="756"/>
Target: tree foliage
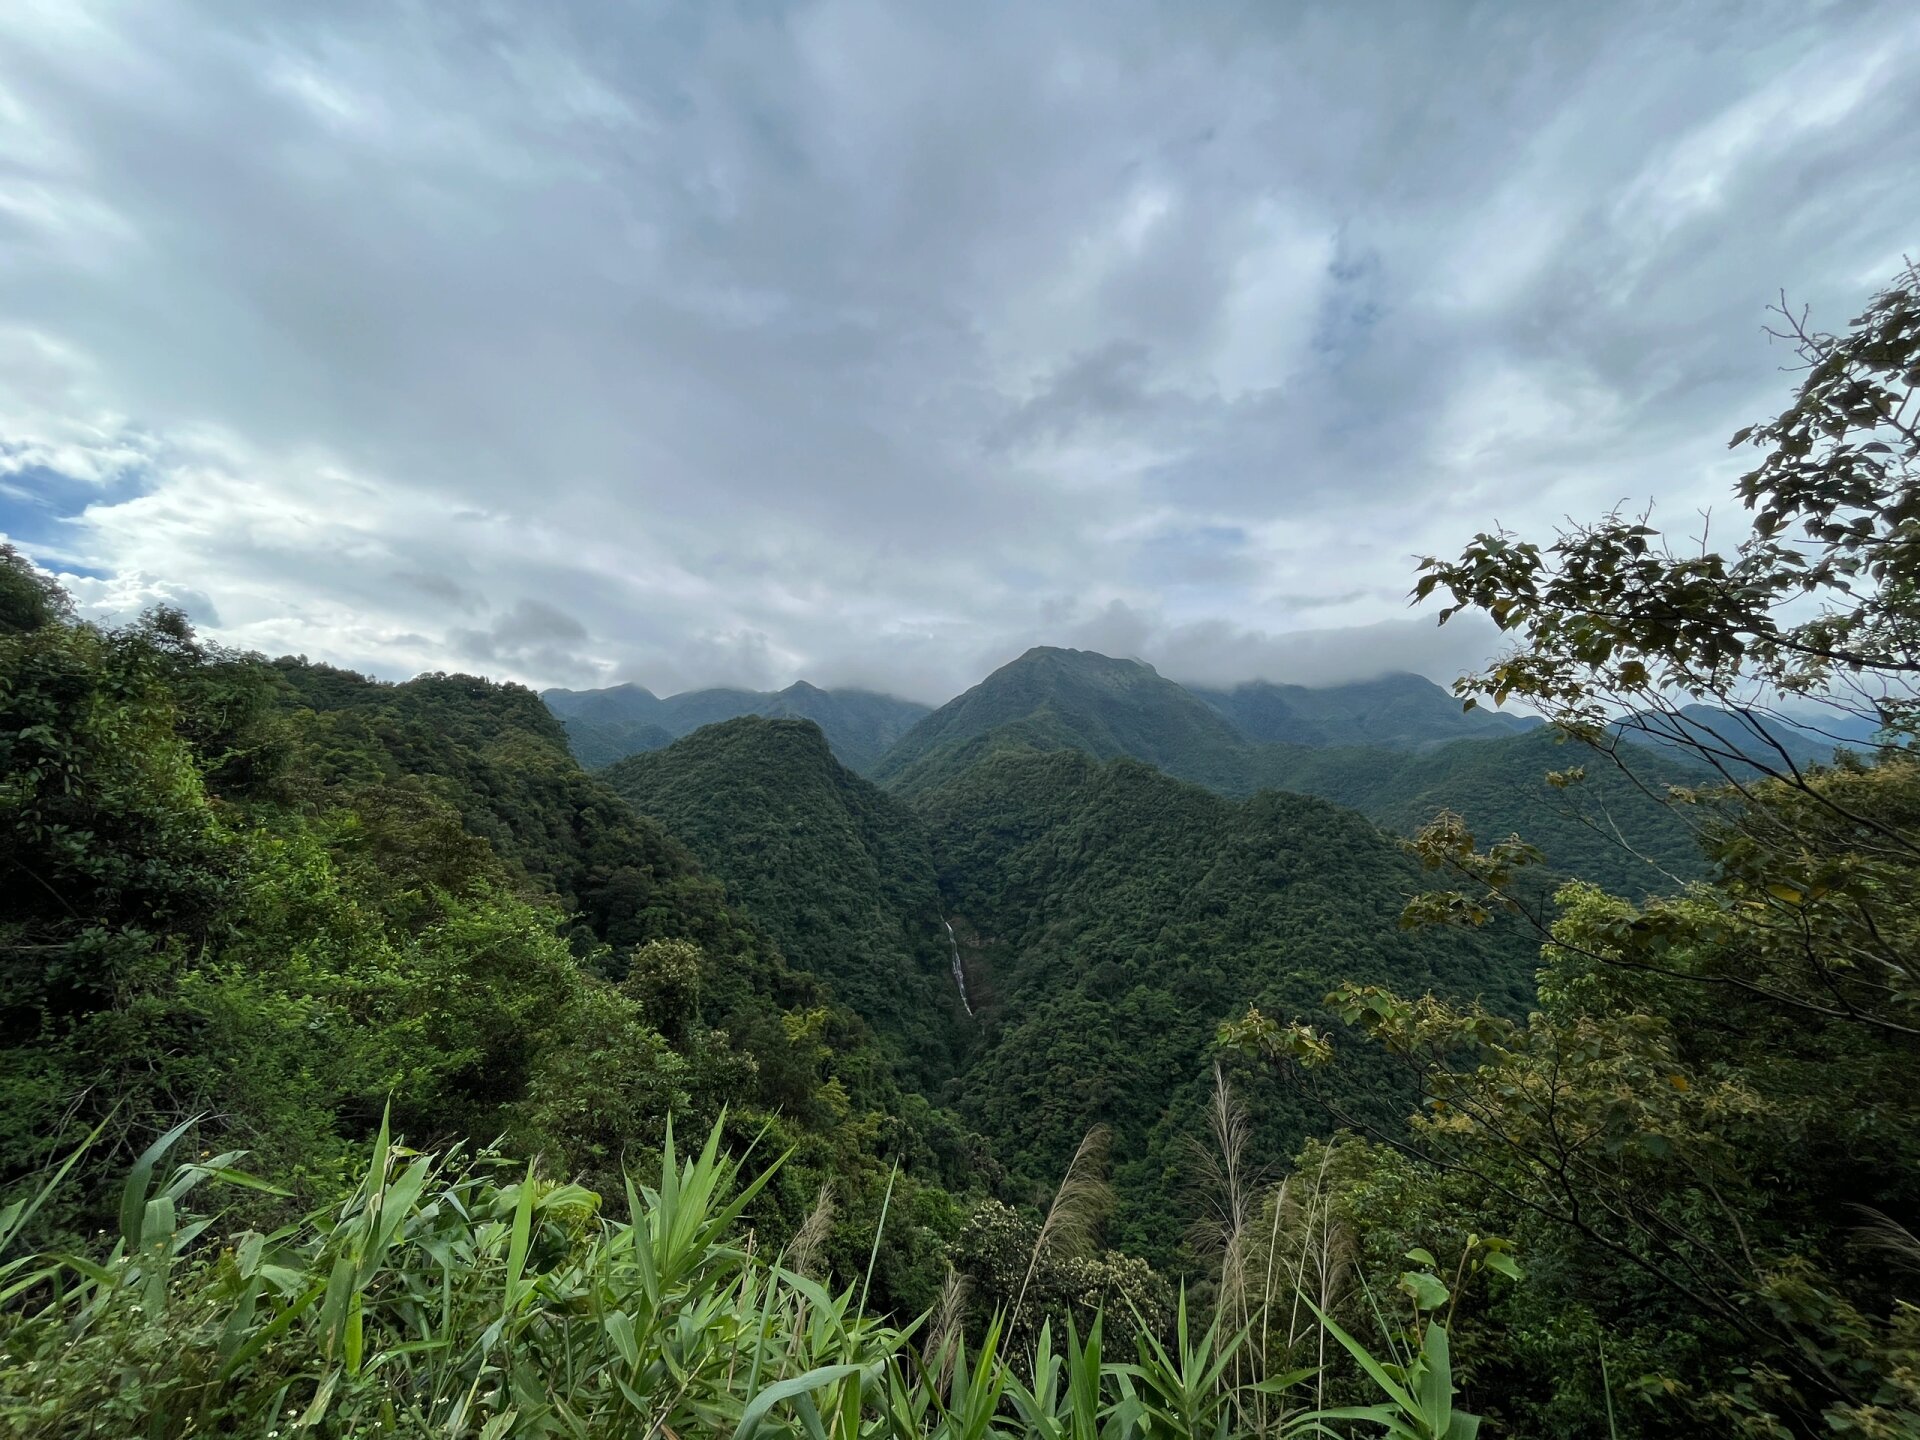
<point x="284" y="898"/>
<point x="1705" y="1135"/>
<point x="836" y="870"/>
<point x="1113" y="916"/>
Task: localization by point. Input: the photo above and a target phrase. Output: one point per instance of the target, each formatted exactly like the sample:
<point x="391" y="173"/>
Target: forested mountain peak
<point x="1090" y="662"/>
<point x="1060" y="699"/>
<point x="837" y="870"/>
<point x="605" y="725"/>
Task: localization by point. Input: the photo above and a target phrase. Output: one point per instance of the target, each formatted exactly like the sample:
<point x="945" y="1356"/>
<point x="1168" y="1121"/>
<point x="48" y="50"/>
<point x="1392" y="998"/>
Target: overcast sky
<point x="872" y="343"/>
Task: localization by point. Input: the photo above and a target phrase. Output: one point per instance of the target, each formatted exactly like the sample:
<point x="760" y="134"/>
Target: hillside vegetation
<point x="603" y="726"/>
<point x="1612" y="826"/>
<point x="1116" y="917"/>
<point x="283" y="898"/>
<point x="1109" y="918"/>
<point x="1051" y="700"/>
<point x="839" y="872"/>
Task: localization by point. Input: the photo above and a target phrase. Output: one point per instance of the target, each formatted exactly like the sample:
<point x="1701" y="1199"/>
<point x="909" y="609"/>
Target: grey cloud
<point x="1107" y="384"/>
<point x="845" y="340"/>
<point x="1214" y="653"/>
<point x="1219" y="653"/>
<point x="533" y="621"/>
<point x="531" y="636"/>
<point x="439" y="587"/>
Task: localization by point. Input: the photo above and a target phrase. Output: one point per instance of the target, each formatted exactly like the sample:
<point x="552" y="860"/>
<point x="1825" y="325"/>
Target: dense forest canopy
<point x="285" y="899"/>
<point x="840" y="872"/>
<point x="1113" y="916"/>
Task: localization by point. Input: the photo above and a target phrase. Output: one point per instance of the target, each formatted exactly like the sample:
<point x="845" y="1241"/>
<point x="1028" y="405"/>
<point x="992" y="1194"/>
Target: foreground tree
<point x="1707" y="1133"/>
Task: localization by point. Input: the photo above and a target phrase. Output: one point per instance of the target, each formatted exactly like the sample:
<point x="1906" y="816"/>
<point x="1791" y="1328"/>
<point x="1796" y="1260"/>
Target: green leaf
<point x="814" y="1379"/>
<point x="133" y="1195"/>
<point x="619" y="1327"/>
<point x="1504" y="1264"/>
<point x="1435" y="1384"/>
<point x="1279" y="1384"/>
<point x="316" y="1411"/>
<point x="521" y="1239"/>
<point x="1375" y="1370"/>
<point x="1426" y="1289"/>
<point x="228" y="1176"/>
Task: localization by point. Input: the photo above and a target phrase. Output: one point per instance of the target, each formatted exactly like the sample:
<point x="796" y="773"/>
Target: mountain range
<point x="1045" y="895"/>
<point x="1397" y="748"/>
<point x="1736" y="739"/>
<point x="1132" y="709"/>
<point x="607" y="725"/>
<point x="1079" y="868"/>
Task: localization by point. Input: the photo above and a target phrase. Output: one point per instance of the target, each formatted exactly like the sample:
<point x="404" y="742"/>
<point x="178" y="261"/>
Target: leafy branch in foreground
<point x="1817" y="600"/>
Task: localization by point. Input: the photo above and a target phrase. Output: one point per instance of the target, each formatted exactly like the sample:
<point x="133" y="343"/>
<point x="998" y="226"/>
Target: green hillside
<point x="1115" y="916"/>
<point x="1397" y="712"/>
<point x="607" y="725"/>
<point x="277" y="901"/>
<point x="838" y="871"/>
<point x="1500" y="787"/>
<point x="597" y="746"/>
<point x="1063" y="699"/>
<point x="1051" y="700"/>
<point x="1109" y="918"/>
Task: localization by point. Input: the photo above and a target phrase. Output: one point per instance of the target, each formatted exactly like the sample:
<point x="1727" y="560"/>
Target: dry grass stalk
<point x="1080" y="1203"/>
<point x="947" y="1330"/>
<point x="1883" y="1232"/>
<point x="1228" y="1190"/>
<point x="803" y="1255"/>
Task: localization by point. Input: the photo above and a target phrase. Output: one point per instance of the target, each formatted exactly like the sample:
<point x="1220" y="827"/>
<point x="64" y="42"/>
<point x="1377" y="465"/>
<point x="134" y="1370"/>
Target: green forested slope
<point x="838" y="871"/>
<point x="495" y="754"/>
<point x="598" y="746"/>
<point x="285" y="899"/>
<point x="607" y="725"/>
<point x="1500" y="787"/>
<point x="1115" y="916"/>
<point x="1072" y="700"/>
<point x="1399" y="712"/>
<point x="1062" y="699"/>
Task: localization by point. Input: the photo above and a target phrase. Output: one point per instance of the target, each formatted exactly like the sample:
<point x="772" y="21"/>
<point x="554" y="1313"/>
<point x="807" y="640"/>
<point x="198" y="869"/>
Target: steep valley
<point x="1108" y="919"/>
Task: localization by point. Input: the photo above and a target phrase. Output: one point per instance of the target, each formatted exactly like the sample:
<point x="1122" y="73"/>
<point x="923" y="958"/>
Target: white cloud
<point x="875" y="344"/>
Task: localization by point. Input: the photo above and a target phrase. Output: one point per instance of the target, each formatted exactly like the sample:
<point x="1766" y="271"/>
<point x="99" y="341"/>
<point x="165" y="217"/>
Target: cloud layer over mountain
<point x="872" y="343"/>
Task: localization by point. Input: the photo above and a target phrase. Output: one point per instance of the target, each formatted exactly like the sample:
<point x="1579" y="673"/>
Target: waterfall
<point x="959" y="974"/>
